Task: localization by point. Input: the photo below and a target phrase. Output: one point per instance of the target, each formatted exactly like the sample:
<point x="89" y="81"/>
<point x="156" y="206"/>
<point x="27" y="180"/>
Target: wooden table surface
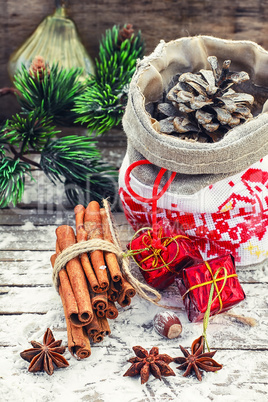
<point x="29" y="304"/>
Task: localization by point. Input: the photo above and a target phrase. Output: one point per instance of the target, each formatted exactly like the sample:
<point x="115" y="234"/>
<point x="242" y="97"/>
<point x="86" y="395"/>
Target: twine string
<point x="98" y="244"/>
<point x="211" y="300"/>
<point x="79" y="248"/>
<point x="155" y="250"/>
<point x="141" y="288"/>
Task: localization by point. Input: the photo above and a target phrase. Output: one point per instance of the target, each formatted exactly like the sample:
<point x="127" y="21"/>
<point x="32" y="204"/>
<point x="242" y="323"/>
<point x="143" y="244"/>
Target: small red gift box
<point x="164" y="252"/>
<point x="195" y="283"/>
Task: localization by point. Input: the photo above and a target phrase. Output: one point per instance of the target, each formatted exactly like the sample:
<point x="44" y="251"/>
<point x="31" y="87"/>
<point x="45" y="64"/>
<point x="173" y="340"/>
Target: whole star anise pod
<point x="145" y="363"/>
<point x="197" y="360"/>
<point x="47" y="356"/>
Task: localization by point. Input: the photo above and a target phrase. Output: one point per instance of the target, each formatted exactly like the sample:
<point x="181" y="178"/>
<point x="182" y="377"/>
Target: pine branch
<point x="117" y="57"/>
<point x="99" y="185"/>
<point x="101" y="108"/>
<point x="76" y="162"/>
<point x="2" y="151"/>
<point x="23" y="158"/>
<point x="102" y="104"/>
<point x="30" y="132"/>
<point x="69" y="158"/>
<point x="53" y="91"/>
<point x="12" y="180"/>
<point x="8" y="90"/>
<point x="49" y="94"/>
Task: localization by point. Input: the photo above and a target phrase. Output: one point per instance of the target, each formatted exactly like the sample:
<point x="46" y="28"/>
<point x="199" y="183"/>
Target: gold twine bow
<point x="213" y="281"/>
<point x="156" y="252"/>
<point x="214" y="285"/>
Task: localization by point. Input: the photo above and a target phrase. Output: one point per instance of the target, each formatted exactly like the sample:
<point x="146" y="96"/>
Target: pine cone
<point x="125" y="33"/>
<point x="204" y="106"/>
<point x="38" y="68"/>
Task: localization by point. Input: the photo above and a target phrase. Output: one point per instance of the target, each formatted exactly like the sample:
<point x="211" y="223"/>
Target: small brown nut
<point x="167" y="324"/>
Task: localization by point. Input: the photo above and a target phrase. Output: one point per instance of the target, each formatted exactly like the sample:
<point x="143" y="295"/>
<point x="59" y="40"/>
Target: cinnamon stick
<point x="78" y="341"/>
<point x="111" y="311"/>
<point x="101" y="313"/>
<point x="93" y="327"/>
<point x="93" y="227"/>
<point x="66" y="293"/>
<point x="98" y="338"/>
<point x="81" y="235"/>
<point x="110" y="258"/>
<point x="105" y="327"/>
<point x="113" y="292"/>
<point x="94" y="330"/>
<point x="99" y="301"/>
<point x="79" y="211"/>
<point x="126" y="294"/>
<point x="66" y="238"/>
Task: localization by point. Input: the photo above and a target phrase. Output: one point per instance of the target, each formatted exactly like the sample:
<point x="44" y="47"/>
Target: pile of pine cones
<point x="203" y="106"/>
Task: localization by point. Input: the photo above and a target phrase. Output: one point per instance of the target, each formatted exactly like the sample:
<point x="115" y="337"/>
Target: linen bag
<point x="218" y="193"/>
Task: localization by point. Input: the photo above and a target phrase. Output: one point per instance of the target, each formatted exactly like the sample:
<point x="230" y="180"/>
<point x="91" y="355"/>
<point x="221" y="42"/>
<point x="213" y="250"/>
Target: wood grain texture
<point x="160" y="19"/>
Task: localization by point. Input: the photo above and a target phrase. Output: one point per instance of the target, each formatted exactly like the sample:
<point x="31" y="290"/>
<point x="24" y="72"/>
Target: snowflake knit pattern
<point x="229" y="216"/>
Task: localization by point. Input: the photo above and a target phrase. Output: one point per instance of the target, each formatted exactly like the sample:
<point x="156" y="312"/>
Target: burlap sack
<point x="199" y="165"/>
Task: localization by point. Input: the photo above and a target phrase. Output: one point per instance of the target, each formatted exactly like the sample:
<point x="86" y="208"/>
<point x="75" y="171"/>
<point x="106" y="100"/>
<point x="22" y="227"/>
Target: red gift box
<point x="165" y="252"/>
<point x="195" y="283"/>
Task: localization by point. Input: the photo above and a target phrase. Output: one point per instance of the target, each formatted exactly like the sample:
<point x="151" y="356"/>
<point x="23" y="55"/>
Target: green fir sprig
<point x="101" y="108"/>
<point x="50" y="95"/>
<point x="68" y="158"/>
<point x="102" y="104"/>
<point x="99" y="185"/>
<point x="31" y="131"/>
<point x="55" y="93"/>
<point x="12" y="180"/>
<point x="118" y="57"/>
<point x="77" y="162"/>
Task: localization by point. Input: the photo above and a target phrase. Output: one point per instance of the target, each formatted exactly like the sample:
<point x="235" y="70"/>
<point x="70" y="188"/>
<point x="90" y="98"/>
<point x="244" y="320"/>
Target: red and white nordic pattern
<point x="230" y="216"/>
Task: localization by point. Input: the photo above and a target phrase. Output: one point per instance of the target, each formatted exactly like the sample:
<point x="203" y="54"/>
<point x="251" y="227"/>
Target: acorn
<point x="167" y="324"/>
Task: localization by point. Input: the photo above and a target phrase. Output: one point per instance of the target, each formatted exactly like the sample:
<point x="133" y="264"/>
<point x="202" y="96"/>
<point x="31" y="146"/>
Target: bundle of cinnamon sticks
<point x="91" y="283"/>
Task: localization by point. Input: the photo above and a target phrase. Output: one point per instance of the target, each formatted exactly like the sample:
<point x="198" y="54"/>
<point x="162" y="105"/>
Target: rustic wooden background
<point x="157" y="19"/>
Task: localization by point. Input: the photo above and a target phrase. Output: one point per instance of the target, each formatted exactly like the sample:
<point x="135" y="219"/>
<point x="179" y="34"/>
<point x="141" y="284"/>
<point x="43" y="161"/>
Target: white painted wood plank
<point x="44" y="216"/>
<point x="25" y="273"/>
<point x="33" y="267"/>
<point x="24" y="255"/>
<point x="27" y="299"/>
<point x="30" y="237"/>
<point x="100" y="377"/>
<point x="223" y="331"/>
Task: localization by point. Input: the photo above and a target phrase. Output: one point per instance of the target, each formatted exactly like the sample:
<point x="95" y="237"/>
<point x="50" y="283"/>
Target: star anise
<point x="47" y="356"/>
<point x="197" y="360"/>
<point x="144" y="363"/>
